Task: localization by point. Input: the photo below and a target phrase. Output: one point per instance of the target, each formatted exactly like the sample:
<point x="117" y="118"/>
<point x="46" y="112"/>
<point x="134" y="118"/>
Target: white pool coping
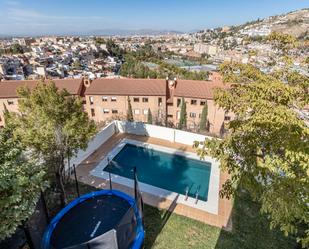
<point x="212" y="203"/>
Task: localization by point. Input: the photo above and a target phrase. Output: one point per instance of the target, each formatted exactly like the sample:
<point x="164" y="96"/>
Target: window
<point x="202" y="102"/>
<point x="178" y="102"/>
<point x="227" y="118"/>
<point x="145" y="100"/>
<point x="160" y="113"/>
<point x="105" y="111"/>
<point x="10" y="102"/>
<point x="135" y="99"/>
<point x="170" y="116"/>
<point x="91" y="100"/>
<point x="192" y="114"/>
<point x="113" y="99"/>
<point x="178" y="114"/>
<point x="92" y="112"/>
<point x="104" y="99"/>
<point x="145" y="111"/>
<point x="159" y="101"/>
<point x="136" y="111"/>
<point x="193" y="101"/>
<point x="114" y="111"/>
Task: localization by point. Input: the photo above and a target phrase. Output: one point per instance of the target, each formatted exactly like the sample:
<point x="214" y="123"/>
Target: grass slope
<point x="165" y="230"/>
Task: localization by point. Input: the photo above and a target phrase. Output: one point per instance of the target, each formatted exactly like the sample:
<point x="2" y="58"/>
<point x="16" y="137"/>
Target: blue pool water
<point x="168" y="171"/>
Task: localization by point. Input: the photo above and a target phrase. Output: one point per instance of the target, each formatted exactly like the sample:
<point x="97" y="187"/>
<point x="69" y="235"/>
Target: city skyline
<point x="31" y="17"/>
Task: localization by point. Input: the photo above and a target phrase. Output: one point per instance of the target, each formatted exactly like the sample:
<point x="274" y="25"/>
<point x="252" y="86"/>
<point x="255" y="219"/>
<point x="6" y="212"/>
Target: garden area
<point x="168" y="230"/>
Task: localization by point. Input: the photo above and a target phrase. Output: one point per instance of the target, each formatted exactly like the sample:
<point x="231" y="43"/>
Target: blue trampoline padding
<point x="140" y="234"/>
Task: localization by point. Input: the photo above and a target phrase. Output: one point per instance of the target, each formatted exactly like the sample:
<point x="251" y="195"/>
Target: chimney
<point x="171" y="83"/>
<point x="87" y="81"/>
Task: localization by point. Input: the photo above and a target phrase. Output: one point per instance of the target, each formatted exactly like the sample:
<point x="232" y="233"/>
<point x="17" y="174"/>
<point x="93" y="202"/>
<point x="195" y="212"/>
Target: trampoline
<point x="98" y="220"/>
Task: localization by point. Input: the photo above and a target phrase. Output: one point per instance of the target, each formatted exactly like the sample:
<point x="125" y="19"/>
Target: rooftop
<point x="148" y="87"/>
<point x="8" y="89"/>
<point x="154" y="87"/>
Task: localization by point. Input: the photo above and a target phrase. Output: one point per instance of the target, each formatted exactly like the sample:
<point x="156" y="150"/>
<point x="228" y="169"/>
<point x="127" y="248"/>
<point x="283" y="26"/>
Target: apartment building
<point x="9" y="97"/>
<point x="195" y="94"/>
<point x="106" y="99"/>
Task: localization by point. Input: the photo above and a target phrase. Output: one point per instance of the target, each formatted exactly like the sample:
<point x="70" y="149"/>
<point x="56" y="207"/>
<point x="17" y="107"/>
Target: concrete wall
<point x="138" y="128"/>
<point x="169" y="134"/>
<point x="95" y="143"/>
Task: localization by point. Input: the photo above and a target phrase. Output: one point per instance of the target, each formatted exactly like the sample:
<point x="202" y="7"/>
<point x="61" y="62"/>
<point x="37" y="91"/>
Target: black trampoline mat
<point x="89" y="219"/>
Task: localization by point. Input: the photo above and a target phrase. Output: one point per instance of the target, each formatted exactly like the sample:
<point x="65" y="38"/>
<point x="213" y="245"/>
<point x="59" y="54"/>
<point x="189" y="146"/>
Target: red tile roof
<point x="145" y="87"/>
<point x="154" y="87"/>
<point x="8" y="88"/>
<point x="198" y="88"/>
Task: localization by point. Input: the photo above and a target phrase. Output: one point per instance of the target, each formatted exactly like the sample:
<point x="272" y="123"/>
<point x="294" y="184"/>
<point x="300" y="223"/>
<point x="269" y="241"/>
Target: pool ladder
<point x="196" y="194"/>
<point x="187" y="192"/>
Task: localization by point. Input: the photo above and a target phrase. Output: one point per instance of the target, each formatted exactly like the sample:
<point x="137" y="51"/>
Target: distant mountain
<point x="295" y="23"/>
<point x="130" y="32"/>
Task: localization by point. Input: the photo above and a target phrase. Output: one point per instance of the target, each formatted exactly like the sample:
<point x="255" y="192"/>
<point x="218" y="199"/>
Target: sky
<point x="45" y="17"/>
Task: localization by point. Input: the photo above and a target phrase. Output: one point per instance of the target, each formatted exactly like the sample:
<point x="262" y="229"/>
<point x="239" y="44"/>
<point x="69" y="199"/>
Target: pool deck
<point x="221" y="220"/>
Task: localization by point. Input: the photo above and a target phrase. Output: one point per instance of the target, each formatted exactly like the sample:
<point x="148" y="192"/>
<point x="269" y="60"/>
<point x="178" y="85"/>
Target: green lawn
<point x="250" y="229"/>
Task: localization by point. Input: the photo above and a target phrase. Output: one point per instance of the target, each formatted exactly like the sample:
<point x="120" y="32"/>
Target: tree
<point x="281" y="41"/>
<point x="113" y="48"/>
<point x="53" y="125"/>
<point x="16" y="49"/>
<point x="149" y="116"/>
<point x="21" y="180"/>
<point x="183" y="115"/>
<point x="77" y="65"/>
<point x="129" y="111"/>
<point x="203" y="120"/>
<point x="266" y="150"/>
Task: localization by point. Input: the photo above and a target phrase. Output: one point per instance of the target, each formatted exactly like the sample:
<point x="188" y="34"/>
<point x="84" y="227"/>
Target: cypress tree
<point x="203" y="121"/>
<point x="183" y="115"/>
<point x="129" y="111"/>
<point x="149" y="117"/>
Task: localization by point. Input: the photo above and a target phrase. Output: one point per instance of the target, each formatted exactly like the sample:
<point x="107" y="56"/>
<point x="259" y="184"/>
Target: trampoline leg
<point x="28" y="236"/>
<point x="110" y="181"/>
<point x="76" y="182"/>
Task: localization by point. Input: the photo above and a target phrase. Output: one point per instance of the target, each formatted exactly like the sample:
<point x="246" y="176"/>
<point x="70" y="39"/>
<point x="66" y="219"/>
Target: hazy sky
<point x="66" y="16"/>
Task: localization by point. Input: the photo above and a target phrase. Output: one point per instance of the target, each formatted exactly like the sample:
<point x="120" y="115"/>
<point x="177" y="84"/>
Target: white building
<point x="203" y="48"/>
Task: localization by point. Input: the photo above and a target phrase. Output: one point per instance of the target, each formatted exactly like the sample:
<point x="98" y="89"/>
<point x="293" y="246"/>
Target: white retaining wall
<point x="137" y="128"/>
<point x="155" y="131"/>
<point x="95" y="143"/>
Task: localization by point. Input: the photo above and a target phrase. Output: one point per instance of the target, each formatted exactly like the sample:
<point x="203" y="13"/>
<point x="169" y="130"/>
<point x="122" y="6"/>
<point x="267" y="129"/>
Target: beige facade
<point x="107" y="107"/>
<point x="107" y="99"/>
<point x="194" y="107"/>
<point x="9" y="104"/>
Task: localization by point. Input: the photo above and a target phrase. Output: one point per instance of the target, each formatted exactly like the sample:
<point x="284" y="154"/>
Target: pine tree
<point x="129" y="111"/>
<point x="203" y="121"/>
<point x="149" y="117"/>
<point x="183" y="115"/>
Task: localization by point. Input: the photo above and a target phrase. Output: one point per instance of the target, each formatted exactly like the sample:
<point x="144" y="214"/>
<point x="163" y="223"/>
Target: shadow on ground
<point x="251" y="230"/>
<point x="155" y="220"/>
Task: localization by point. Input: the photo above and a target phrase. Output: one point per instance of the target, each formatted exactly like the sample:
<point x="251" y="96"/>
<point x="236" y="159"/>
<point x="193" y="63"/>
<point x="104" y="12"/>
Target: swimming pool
<point x="163" y="170"/>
